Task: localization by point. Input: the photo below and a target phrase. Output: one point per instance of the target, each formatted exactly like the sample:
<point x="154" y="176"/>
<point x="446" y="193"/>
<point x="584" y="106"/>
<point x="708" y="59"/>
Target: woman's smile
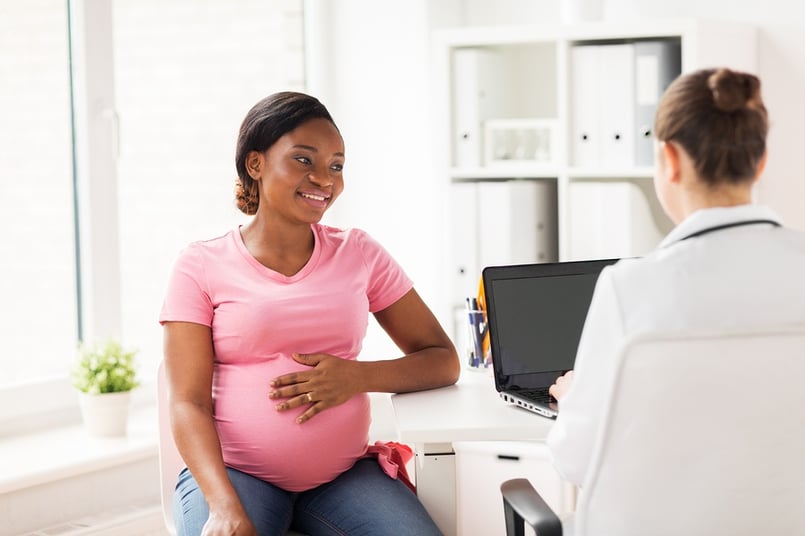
<point x="315" y="199"/>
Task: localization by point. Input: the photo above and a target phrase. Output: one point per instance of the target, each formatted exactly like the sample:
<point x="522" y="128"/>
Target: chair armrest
<point x="522" y="503"/>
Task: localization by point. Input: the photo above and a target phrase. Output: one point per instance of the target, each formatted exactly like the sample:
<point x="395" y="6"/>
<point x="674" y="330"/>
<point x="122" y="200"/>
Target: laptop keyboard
<point x="537" y="395"/>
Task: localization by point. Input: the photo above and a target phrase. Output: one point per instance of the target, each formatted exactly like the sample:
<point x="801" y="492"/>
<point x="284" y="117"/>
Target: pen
<point x="473" y="352"/>
<point x="481" y="329"/>
<point x="485" y="343"/>
<point x="483" y="337"/>
<point x="476" y="321"/>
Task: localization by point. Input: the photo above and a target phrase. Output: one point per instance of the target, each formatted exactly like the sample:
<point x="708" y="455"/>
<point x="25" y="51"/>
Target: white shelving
<point x="524" y="75"/>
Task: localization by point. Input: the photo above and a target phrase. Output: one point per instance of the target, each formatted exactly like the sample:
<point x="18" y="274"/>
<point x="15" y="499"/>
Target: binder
<point x="547" y="236"/>
<point x="657" y="64"/>
<point x="614" y="219"/>
<point x="616" y="105"/>
<point x="476" y="98"/>
<point x="518" y="222"/>
<point x="585" y="104"/>
<point x="615" y="89"/>
<point x="602" y="101"/>
<point x="586" y="221"/>
<point x="505" y="221"/>
<point x="464" y="228"/>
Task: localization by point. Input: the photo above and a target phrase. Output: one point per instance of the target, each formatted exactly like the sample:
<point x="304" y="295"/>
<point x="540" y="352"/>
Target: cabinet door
<point x="482" y="466"/>
<point x="435" y="481"/>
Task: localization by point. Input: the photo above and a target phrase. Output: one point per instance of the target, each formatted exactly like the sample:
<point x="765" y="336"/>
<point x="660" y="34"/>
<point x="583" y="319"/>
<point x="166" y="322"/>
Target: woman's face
<point x="301" y="174"/>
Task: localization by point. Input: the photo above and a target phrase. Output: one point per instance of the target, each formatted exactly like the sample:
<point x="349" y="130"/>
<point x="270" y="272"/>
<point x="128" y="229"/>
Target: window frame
<point x="45" y="402"/>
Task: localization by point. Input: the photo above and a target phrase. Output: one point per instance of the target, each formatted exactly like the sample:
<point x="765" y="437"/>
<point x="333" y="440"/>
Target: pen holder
<point x="477" y="354"/>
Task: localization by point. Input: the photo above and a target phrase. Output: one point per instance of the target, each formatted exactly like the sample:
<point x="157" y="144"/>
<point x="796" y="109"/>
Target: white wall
<point x="378" y="92"/>
<point x="377" y="84"/>
<point x="781" y="58"/>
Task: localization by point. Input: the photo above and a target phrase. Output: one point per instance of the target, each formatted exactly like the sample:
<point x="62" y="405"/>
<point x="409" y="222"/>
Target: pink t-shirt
<point x="258" y="317"/>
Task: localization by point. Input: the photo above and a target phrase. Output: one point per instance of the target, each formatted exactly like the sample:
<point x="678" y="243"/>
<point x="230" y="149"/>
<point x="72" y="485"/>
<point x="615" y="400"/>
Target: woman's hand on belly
<point x="329" y="382"/>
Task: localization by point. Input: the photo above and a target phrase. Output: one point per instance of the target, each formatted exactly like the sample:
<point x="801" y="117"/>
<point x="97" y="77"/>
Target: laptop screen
<point x="536" y="314"/>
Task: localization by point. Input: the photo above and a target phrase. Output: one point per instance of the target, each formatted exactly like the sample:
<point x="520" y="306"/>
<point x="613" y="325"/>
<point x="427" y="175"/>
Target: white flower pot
<point x="105" y="414"/>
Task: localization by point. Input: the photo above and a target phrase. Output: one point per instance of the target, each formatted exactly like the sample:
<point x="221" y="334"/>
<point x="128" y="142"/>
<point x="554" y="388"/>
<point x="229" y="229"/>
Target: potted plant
<point x="104" y="374"/>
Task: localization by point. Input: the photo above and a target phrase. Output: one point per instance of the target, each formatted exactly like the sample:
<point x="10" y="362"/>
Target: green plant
<point x="104" y="367"/>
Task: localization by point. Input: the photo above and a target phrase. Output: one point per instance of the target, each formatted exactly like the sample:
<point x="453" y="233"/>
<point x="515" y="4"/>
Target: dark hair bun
<point x="733" y="91"/>
<point x="246" y="200"/>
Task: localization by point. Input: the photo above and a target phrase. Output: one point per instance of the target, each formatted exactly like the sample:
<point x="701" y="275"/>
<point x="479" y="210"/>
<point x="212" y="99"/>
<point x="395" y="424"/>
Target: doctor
<point x="726" y="264"/>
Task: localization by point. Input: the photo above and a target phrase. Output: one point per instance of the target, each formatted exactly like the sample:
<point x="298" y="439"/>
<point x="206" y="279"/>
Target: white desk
<point x="471" y="410"/>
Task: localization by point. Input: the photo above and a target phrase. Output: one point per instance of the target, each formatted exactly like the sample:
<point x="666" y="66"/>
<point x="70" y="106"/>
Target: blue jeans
<point x="361" y="501"/>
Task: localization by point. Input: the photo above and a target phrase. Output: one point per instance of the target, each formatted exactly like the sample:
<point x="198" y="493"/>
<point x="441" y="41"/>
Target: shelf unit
<point x="525" y="73"/>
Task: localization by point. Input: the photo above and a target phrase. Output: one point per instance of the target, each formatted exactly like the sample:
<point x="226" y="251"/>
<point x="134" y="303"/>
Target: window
<point x="37" y="270"/>
<point x="184" y="74"/>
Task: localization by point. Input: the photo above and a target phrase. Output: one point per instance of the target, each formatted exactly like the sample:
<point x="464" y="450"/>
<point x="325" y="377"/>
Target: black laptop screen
<point x="536" y="319"/>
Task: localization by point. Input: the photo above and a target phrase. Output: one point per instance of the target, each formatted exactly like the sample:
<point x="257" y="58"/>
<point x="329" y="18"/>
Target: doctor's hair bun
<point x="717" y="115"/>
<point x="733" y="91"/>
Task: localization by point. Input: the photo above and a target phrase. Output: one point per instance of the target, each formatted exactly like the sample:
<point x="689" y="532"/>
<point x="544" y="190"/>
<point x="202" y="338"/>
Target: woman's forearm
<point x="428" y="368"/>
<point x="198" y="443"/>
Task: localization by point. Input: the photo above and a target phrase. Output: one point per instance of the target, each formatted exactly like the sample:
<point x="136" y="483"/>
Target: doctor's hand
<point x="329" y="382"/>
<point x="558" y="389"/>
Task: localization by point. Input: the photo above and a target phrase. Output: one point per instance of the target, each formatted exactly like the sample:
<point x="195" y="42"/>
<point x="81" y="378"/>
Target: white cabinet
<point x="570" y="107"/>
<point x="435" y="482"/>
<point x="482" y="466"/>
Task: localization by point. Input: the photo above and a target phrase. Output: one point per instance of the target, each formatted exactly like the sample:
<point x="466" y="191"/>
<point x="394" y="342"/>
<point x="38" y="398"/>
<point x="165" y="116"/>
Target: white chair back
<point x="705" y="434"/>
<point x="170" y="462"/>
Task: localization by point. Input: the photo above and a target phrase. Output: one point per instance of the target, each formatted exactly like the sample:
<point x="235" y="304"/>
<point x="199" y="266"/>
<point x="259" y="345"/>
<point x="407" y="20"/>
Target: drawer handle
<point x="508" y="457"/>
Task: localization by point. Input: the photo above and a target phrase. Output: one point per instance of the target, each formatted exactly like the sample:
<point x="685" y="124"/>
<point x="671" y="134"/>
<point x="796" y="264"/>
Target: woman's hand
<point x="331" y="381"/>
<point x="559" y="389"/>
<point x="228" y="524"/>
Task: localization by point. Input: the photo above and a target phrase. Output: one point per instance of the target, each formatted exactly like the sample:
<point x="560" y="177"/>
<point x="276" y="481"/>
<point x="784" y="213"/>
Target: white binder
<point x="586" y="234"/>
<point x="614" y="220"/>
<point x="657" y="64"/>
<point x="615" y="90"/>
<point x="585" y="105"/>
<point x="476" y="98"/>
<point x="517" y="222"/>
<point x="506" y="219"/>
<point x="497" y="222"/>
<point x="465" y="270"/>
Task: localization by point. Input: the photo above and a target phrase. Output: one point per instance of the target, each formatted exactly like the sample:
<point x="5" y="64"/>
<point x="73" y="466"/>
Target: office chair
<point x="170" y="461"/>
<point x="703" y="435"/>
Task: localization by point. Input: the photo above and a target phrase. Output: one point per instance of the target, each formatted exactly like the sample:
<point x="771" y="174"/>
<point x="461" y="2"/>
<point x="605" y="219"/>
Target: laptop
<point x="535" y="314"/>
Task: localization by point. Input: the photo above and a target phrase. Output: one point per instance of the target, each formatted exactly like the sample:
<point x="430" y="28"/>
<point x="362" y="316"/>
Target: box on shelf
<point x="520" y="141"/>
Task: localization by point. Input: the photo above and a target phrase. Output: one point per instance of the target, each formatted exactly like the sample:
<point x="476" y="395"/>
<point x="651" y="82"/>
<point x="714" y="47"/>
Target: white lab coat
<point x="731" y="278"/>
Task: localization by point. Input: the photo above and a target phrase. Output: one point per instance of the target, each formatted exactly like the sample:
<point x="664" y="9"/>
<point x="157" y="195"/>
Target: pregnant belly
<point x="270" y="445"/>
